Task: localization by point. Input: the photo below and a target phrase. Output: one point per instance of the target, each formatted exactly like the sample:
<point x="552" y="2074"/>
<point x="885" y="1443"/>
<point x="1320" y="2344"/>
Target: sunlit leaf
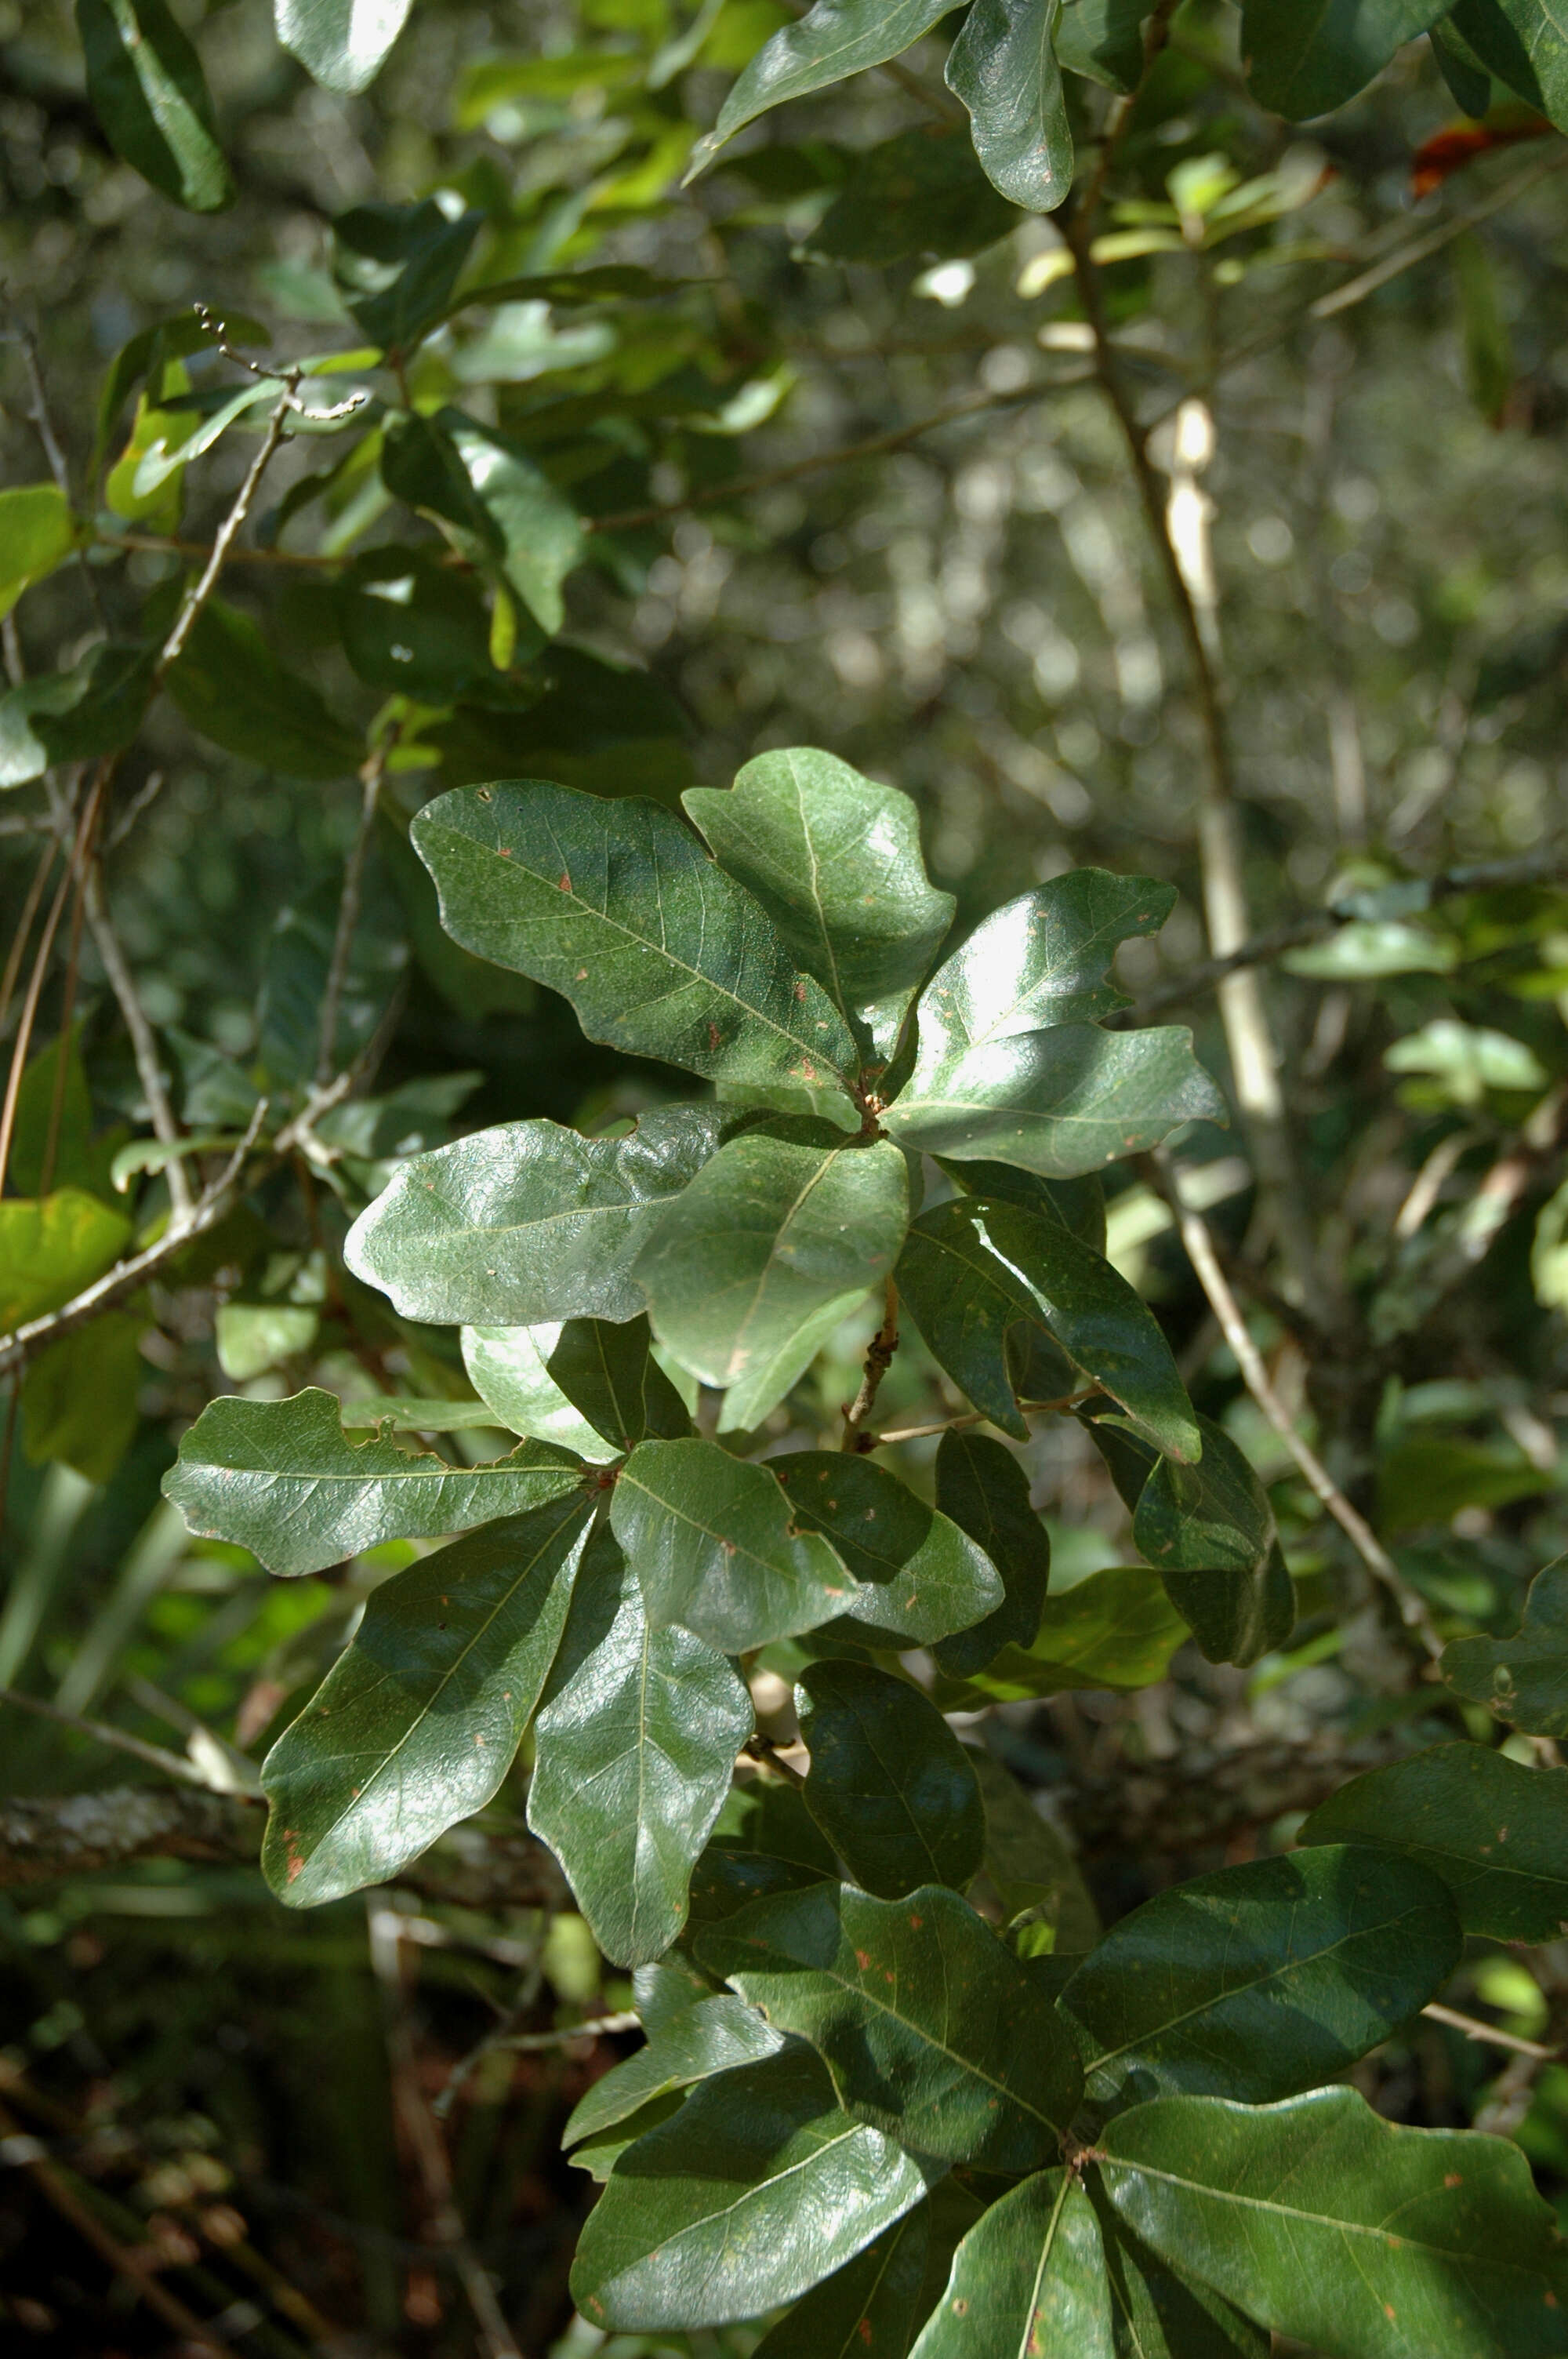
<point x="342" y="44"/>
<point x="148" y="92"/>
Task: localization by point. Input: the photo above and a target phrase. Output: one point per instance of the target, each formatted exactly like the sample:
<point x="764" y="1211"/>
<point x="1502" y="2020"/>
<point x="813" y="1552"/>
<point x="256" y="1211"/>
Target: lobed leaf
<point x="529" y="1221"/>
<point x="835" y="861"/>
<point x="890" y="1786"/>
<point x="1327" y="2224"/>
<point x="616" y="907"/>
<point x="283" y="1479"/>
<point x="1042" y="960"/>
<point x="1495" y="1833"/>
<point x="758" y="2189"/>
<point x="636" y="1744"/>
<point x="416" y="1724"/>
<point x="932" y="2030"/>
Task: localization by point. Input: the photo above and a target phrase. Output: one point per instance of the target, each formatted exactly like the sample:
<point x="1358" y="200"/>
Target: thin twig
<point x="196" y="597"/>
<point x="1489" y="2034"/>
<point x="144" y="1042"/>
<point x="1199" y="1243"/>
<point x="371" y="777"/>
<point x="762" y="1750"/>
<point x="599" y="2027"/>
<point x="171" y="1764"/>
<point x="1068" y="1402"/>
<point x="878" y="1360"/>
<point x="1420" y="249"/>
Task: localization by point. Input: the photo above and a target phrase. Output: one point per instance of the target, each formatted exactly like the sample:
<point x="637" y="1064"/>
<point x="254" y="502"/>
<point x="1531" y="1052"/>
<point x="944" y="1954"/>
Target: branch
<point x="1199" y="1243"/>
<point x="371" y="777"/>
<point x="144" y="1042"/>
<point x="201" y="589"/>
<point x="878" y="1360"/>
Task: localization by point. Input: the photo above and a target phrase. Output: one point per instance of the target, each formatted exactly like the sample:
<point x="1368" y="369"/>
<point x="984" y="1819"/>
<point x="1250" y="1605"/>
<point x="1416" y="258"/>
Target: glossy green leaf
<point x="149" y="93"/>
<point x="50" y="1247"/>
<point x="1003" y="67"/>
<point x="1104" y="39"/>
<point x="415" y="1726"/>
<point x="1029" y="2277"/>
<point x="834" y="860"/>
<point x="1495" y="1833"/>
<point x="230" y="686"/>
<point x="712" y="2035"/>
<point x="397" y="265"/>
<point x="788" y="1224"/>
<point x="1058" y="1102"/>
<point x="1306" y="60"/>
<point x="869" y="2306"/>
<point x="834" y="40"/>
<point x="38" y="532"/>
<point x="1522" y="1679"/>
<point x="758" y="2189"/>
<point x="1261" y="1980"/>
<point x="617" y="906"/>
<point x="984" y="1489"/>
<point x="1161" y="2311"/>
<point x="1118" y="1629"/>
<point x="924" y="1575"/>
<point x="1078" y="1205"/>
<point x="528" y="1221"/>
<point x="636" y="1742"/>
<point x="891" y="1787"/>
<point x="1525" y="44"/>
<point x="1469" y="82"/>
<point x="931" y="2028"/>
<point x="492" y="491"/>
<point x="73" y="716"/>
<point x="921" y="193"/>
<point x="342" y="44"/>
<point x="712" y="1543"/>
<point x="1042" y="960"/>
<point x="1329" y="2224"/>
<point x="1032" y="1868"/>
<point x="610" y="1375"/>
<point x="508" y="1367"/>
<point x="974" y="1267"/>
<point x="1210" y="1530"/>
<point x="283" y="1479"/>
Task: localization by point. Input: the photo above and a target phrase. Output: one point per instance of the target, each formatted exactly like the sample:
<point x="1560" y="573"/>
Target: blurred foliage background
<point x="897" y="520"/>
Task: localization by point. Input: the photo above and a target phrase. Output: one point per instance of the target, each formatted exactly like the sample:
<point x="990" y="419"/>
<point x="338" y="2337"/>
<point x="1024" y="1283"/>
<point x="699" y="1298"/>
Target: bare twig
<point x="1488" y="2035"/>
<point x="878" y="1360"/>
<point x="763" y="1749"/>
<point x="599" y="2026"/>
<point x="371" y="777"/>
<point x="206" y="582"/>
<point x="144" y="1043"/>
<point x="1367" y="282"/>
<point x="172" y="1765"/>
<point x="1199" y="1243"/>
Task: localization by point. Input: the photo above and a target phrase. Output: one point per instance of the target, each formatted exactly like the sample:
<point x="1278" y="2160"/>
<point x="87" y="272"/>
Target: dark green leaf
<point x="415" y="628"/>
<point x="1307" y="59"/>
<point x="1077" y="1205"/>
<point x="1104" y="39"/>
<point x="712" y="1543"/>
<point x="1118" y="1629"/>
<point x="608" y="1373"/>
<point x="931" y="2028"/>
<point x="920" y="193"/>
<point x="758" y="2189"/>
<point x="492" y="491"/>
<point x="1003" y="67"/>
<point x="1525" y="44"/>
<point x="972" y="1268"/>
<point x="774" y="1240"/>
<point x="528" y="1221"/>
<point x="1210" y="1529"/>
<point x="617" y="906"/>
<point x="984" y="1490"/>
<point x="1033" y="1867"/>
<point x="74" y="716"/>
<point x="38" y="532"/>
<point x="397" y="265"/>
<point x="636" y="1740"/>
<point x="1495" y="1833"/>
<point x="507" y="1367"/>
<point x="835" y="861"/>
<point x="283" y="1479"/>
<point x="340" y="43"/>
<point x="1058" y="1102"/>
<point x="148" y="92"/>
<point x="1261" y="1980"/>
<point x="1469" y="83"/>
<point x="924" y="1575"/>
<point x="835" y="38"/>
<point x="871" y="2304"/>
<point x="891" y="1787"/>
<point x="230" y="686"/>
<point x="712" y="2035"/>
<point x="1523" y="1679"/>
<point x="416" y="1724"/>
<point x="1029" y="2277"/>
<point x="1330" y="2225"/>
